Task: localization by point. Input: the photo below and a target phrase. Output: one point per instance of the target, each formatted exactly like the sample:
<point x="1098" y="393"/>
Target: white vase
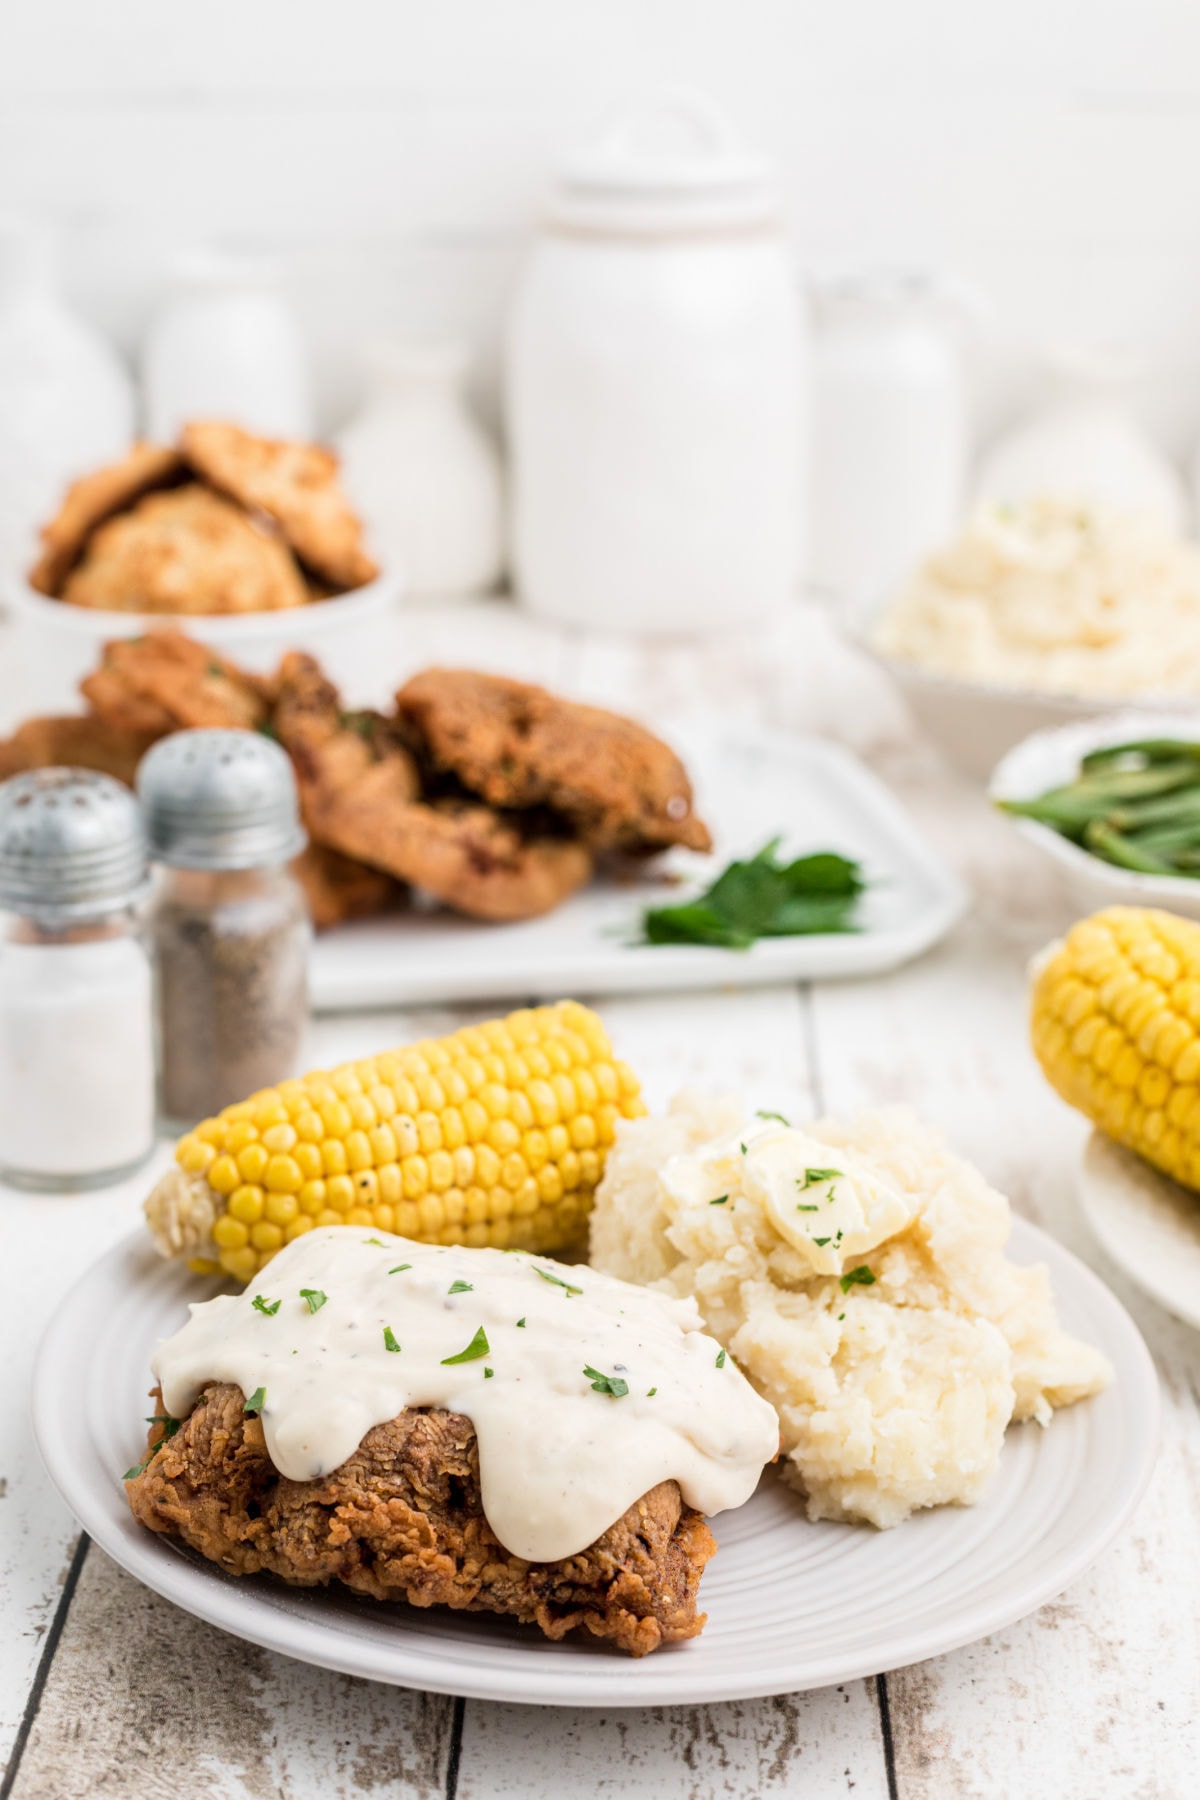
<point x="66" y="401"/>
<point x="890" y="429"/>
<point x="224" y="345"/>
<point x="424" y="473"/>
<point x="1083" y="445"/>
<point x="655" y="363"/>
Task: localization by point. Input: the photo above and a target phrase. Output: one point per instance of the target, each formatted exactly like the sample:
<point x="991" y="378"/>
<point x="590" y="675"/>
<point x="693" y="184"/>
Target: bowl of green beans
<point x="1115" y="801"/>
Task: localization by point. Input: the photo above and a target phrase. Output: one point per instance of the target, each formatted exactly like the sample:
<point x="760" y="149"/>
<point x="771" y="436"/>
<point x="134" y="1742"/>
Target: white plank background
<point x="106" y="1690"/>
<point x="395" y="152"/>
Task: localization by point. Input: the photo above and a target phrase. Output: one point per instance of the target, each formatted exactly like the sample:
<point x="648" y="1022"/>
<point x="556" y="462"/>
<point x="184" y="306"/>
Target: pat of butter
<point x="821" y="1199"/>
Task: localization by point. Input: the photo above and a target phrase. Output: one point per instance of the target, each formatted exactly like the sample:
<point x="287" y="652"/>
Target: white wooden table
<point x="105" y="1689"/>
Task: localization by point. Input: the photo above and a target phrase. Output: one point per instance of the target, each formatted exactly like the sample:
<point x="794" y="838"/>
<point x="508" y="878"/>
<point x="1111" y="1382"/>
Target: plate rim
<point x="1097" y="1149"/>
<point x="655" y="1681"/>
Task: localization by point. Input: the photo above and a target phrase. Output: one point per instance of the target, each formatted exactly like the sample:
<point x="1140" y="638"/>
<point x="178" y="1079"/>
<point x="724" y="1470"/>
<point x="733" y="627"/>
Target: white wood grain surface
<point x="105" y="1689"/>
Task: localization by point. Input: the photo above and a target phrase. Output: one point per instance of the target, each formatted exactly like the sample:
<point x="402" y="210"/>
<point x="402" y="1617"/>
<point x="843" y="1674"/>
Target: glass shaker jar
<point x="77" y="1074"/>
<point x="229" y="922"/>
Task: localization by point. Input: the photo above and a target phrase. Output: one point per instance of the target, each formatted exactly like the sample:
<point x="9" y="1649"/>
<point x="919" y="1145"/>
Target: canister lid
<point x="675" y="163"/>
<point x="220" y="800"/>
<point x="72" y="844"/>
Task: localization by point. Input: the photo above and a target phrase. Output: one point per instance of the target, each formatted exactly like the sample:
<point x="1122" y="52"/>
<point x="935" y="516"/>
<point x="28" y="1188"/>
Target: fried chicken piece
<point x="75" y="741"/>
<point x="185" y="551"/>
<point x="518" y="746"/>
<point x="295" y="484"/>
<point x="91" y="500"/>
<point x="402" y="1519"/>
<point x="337" y="888"/>
<point x="165" y="682"/>
<point x="359" y="793"/>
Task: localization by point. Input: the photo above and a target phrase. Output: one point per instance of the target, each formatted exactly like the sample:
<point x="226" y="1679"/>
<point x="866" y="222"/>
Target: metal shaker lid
<point x="72" y="844"/>
<point x="220" y="800"/>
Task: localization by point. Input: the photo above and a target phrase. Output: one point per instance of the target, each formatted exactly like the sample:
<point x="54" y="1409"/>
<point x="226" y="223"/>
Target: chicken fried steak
<point x="402" y="1519"/>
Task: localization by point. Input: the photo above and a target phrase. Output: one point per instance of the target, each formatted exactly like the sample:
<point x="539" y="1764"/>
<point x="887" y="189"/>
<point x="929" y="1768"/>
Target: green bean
<point x="1115" y="848"/>
<point x="1151" y="750"/>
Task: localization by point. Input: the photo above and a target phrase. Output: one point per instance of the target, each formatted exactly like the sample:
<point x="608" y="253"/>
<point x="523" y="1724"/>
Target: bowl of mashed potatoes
<point x="1037" y="615"/>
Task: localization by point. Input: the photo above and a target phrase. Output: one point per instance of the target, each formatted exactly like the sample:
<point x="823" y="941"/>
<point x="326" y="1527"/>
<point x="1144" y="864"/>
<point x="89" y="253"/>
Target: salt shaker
<point x="77" y="1076"/>
<point x="229" y="922"/>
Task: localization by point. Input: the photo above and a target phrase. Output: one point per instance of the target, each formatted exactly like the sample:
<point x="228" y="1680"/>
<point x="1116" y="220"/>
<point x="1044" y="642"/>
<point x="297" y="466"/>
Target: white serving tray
<point x="750" y="786"/>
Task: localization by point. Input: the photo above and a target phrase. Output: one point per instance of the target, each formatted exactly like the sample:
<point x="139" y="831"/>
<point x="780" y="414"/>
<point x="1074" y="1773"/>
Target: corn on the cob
<point x="494" y="1135"/>
<point x="1116" y="1028"/>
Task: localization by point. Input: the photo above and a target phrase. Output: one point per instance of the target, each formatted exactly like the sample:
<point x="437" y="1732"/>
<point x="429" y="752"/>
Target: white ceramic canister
<point x="1084" y="443"/>
<point x="225" y="345"/>
<point x="890" y="435"/>
<point x="66" y="400"/>
<point x="424" y="473"/>
<point x="655" y="386"/>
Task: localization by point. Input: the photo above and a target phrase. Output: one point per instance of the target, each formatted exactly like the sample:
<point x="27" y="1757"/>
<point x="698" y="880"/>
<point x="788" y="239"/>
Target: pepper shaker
<point x="229" y="921"/>
<point x="77" y="1075"/>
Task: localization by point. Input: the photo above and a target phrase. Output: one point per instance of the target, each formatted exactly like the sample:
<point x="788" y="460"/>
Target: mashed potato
<point x="1056" y="597"/>
<point x="858" y="1275"/>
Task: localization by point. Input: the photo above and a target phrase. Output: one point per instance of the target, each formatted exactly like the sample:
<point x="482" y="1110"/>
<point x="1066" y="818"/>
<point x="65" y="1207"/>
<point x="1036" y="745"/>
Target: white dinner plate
<point x="1149" y="1225"/>
<point x="790" y="1605"/>
<point x="751" y="786"/>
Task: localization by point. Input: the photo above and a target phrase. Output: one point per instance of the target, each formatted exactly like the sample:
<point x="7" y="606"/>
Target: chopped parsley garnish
<point x="860" y="1277"/>
<point x="270" y="1307"/>
<point x="650" y="1393"/>
<point x="606" y="1384"/>
<point x="315" y="1298"/>
<point x="378" y="1241"/>
<point x="841" y="1316"/>
<point x="720" y="1359"/>
<point x="814" y="1177"/>
<point x="760" y="1114"/>
<point x="520" y="1324"/>
<point x="399" y="1268"/>
<point x="763" y="897"/>
<point x="558" y="1282"/>
<point x="461" y="1287"/>
<point x="256" y="1402"/>
<point x="720" y="1200"/>
<point x="742" y="1148"/>
<point x="389" y="1339"/>
<point x="801" y="1207"/>
<point x="488" y="1373"/>
<point x="170" y="1427"/>
<point x="477" y="1347"/>
<point x="821" y="1242"/>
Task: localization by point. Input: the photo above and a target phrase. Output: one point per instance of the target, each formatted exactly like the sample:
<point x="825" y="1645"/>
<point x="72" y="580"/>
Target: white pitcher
<point x="224" y="345"/>
<point x="654" y="386"/>
<point x="424" y="473"/>
<point x="66" y="401"/>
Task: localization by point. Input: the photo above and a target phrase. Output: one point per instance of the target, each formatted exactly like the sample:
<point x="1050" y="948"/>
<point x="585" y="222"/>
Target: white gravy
<point x="559" y="1460"/>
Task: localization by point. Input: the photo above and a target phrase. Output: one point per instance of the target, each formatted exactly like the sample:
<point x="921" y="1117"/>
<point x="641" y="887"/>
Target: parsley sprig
<point x="763" y="897"/>
<point x="557" y="1280"/>
<point x="606" y="1384"/>
<point x="477" y="1347"/>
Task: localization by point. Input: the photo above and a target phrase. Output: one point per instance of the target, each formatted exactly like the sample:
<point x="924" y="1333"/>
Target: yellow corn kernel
<point x="193" y="1154"/>
<point x="281" y="1209"/>
<point x="246" y="1204"/>
<point x="251" y="1161"/>
<point x="223" y="1174"/>
<point x="282" y="1175"/>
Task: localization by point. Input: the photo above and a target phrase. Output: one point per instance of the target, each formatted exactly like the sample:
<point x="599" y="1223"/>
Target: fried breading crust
<point x="360" y="791"/>
<point x="75" y="741"/>
<point x="337" y="888"/>
<point x="516" y="745"/>
<point x="91" y="500"/>
<point x="297" y="485"/>
<point x="402" y="1519"/>
<point x="185" y="551"/>
<point x="164" y="681"/>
